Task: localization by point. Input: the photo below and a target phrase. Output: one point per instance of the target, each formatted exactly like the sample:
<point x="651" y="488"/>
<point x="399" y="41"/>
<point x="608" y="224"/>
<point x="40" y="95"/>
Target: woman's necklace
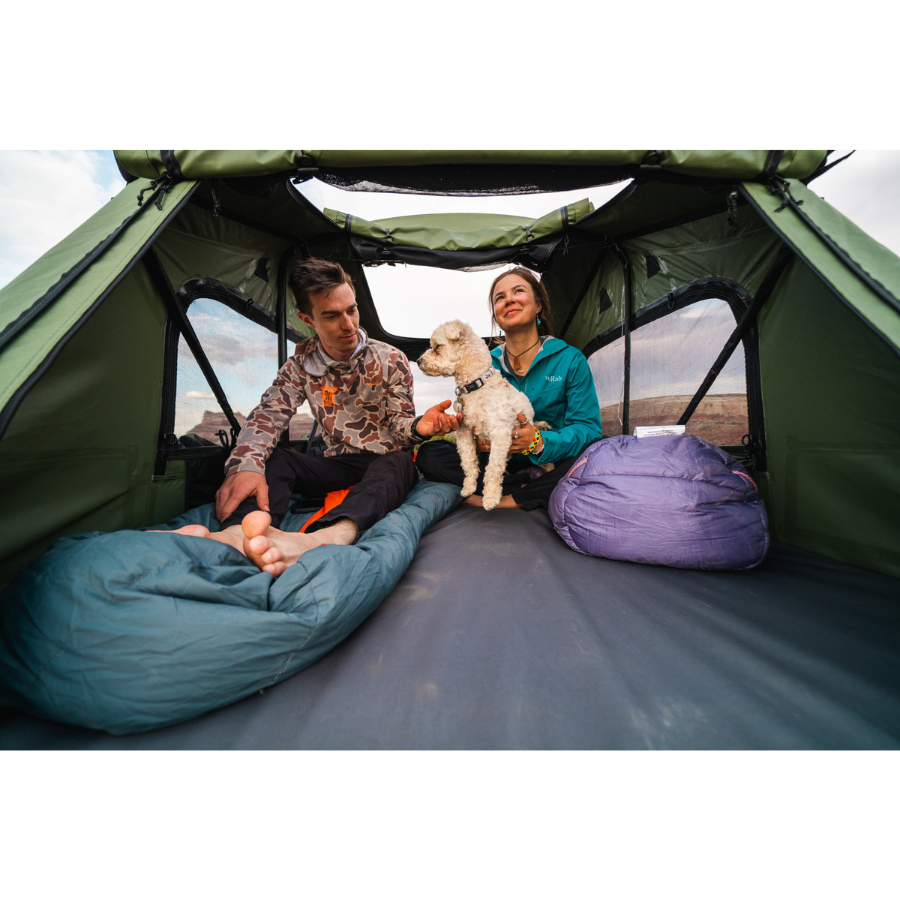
<point x="515" y="356"/>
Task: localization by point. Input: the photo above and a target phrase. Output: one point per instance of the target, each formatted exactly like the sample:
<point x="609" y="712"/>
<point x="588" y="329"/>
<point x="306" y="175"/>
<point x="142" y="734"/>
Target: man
<point x="361" y="393"/>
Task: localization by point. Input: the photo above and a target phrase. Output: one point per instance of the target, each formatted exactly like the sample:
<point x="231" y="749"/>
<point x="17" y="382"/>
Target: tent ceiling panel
<point x="200" y="245"/>
<point x="861" y="271"/>
<point x="645" y="206"/>
<point x="281" y="209"/>
<point x="667" y="260"/>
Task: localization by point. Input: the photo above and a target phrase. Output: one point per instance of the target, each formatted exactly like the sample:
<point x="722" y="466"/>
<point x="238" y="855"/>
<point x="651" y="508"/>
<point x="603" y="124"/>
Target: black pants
<point x="379" y="483"/>
<point x="530" y="487"/>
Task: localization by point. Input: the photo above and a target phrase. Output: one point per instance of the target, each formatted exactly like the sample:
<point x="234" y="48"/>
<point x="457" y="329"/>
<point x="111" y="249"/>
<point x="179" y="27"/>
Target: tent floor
<point x="500" y="637"/>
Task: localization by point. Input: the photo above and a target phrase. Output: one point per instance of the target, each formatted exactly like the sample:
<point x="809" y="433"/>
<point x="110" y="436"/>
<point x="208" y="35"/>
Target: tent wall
<point x="831" y="389"/>
<point x="78" y="455"/>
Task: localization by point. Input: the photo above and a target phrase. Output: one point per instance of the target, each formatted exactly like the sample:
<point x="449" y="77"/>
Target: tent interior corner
<point x="716" y="289"/>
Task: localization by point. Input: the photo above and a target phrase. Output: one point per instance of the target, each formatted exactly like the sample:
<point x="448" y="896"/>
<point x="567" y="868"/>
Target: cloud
<point x="44" y="196"/>
<point x="199" y="395"/>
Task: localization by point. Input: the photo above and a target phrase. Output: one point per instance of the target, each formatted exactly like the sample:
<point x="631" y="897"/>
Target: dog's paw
<point x="468" y="487"/>
<point x="547" y="467"/>
<point x="543" y="426"/>
<point x="491" y="498"/>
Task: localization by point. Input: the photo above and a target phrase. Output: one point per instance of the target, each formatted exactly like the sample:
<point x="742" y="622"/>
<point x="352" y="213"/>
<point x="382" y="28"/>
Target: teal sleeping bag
<point x="130" y="631"/>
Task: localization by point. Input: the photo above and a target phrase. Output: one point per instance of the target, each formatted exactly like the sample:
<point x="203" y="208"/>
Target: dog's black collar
<point x="474" y="385"/>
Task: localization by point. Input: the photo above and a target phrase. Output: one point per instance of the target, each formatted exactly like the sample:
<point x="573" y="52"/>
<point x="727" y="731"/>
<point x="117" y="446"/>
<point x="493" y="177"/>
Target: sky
<point x="45" y="194"/>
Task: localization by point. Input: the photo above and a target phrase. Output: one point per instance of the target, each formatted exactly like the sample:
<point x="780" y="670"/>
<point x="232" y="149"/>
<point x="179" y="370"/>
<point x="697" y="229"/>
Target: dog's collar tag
<point x="474" y="385"/>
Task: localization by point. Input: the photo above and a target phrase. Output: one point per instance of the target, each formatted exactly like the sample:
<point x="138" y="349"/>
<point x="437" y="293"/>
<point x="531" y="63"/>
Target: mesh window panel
<point x="607" y="366"/>
<point x="670" y="358"/>
<point x="244" y="357"/>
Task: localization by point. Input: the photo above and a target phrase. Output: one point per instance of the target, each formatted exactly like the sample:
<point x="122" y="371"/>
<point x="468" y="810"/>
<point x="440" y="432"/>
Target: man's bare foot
<point x="274" y="550"/>
<point x="192" y="530"/>
<point x="506" y="502"/>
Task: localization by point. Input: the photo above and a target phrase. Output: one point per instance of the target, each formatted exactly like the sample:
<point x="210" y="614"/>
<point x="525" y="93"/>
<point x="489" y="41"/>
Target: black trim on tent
<point x="212" y="289"/>
<point x="43" y="303"/>
<point x="825" y="166"/>
<point x="627" y="324"/>
<point x="281" y="319"/>
<point x="176" y="311"/>
<point x="800" y="255"/>
<point x="535" y="254"/>
<point x="166" y="426"/>
<point x="168" y="446"/>
<point x="750" y="315"/>
<point x="12" y="406"/>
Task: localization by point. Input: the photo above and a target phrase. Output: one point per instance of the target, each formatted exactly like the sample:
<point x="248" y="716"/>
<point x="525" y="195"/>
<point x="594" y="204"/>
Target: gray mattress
<point x="500" y="637"/>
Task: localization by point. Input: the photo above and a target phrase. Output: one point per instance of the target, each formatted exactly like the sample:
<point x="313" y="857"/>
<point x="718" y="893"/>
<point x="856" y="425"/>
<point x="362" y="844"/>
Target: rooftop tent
<point x="795" y="310"/>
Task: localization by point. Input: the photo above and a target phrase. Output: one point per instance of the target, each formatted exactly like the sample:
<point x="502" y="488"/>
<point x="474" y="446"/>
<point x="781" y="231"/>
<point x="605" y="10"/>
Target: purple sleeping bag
<point x="671" y="500"/>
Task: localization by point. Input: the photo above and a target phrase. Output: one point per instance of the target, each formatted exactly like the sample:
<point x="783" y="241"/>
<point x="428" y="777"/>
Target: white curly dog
<point x="489" y="404"/>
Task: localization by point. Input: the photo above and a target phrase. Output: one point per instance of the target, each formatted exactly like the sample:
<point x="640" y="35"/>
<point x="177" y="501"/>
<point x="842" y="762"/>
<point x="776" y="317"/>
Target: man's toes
<point x="255" y="523"/>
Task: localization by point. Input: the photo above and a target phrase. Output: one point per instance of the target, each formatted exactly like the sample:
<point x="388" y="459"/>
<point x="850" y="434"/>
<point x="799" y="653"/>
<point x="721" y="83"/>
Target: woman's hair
<point x="315" y="276"/>
<point x="540" y="295"/>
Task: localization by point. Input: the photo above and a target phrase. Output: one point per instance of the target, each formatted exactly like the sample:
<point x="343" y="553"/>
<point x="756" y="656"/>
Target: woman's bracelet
<point x="533" y="444"/>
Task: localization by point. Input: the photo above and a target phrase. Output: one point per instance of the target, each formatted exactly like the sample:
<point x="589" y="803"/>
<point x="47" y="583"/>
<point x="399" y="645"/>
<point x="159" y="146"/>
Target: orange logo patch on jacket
<point x="328" y="395"/>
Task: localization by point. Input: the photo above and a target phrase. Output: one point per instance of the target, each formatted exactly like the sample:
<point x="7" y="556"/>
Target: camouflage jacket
<point x="364" y="404"/>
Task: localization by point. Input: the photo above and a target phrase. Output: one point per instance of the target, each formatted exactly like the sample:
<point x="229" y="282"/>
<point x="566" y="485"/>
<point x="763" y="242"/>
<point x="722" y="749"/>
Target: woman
<point x="556" y="379"/>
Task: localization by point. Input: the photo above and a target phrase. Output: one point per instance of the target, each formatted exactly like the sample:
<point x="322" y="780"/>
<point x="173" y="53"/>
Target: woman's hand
<point x="522" y="437"/>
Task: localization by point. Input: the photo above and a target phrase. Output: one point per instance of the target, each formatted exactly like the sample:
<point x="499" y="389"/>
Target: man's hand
<point x="437" y="421"/>
<point x="237" y="487"/>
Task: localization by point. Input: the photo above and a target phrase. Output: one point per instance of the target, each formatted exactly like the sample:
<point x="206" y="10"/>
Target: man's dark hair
<point x="315" y="276"/>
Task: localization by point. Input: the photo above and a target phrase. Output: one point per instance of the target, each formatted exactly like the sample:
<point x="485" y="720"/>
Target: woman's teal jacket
<point x="561" y="390"/>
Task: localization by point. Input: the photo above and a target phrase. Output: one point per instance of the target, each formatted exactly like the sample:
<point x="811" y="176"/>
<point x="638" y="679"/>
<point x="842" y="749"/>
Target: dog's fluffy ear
<point x="454" y="330"/>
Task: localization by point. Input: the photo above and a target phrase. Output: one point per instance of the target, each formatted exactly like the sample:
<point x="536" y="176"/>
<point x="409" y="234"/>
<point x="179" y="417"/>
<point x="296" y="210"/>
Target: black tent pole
<point x="762" y="294"/>
<point x="626" y="333"/>
<point x="161" y="281"/>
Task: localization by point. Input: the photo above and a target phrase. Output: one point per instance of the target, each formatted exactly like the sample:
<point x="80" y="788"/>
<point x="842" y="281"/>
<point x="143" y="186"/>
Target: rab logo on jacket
<point x="328" y="395"/>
